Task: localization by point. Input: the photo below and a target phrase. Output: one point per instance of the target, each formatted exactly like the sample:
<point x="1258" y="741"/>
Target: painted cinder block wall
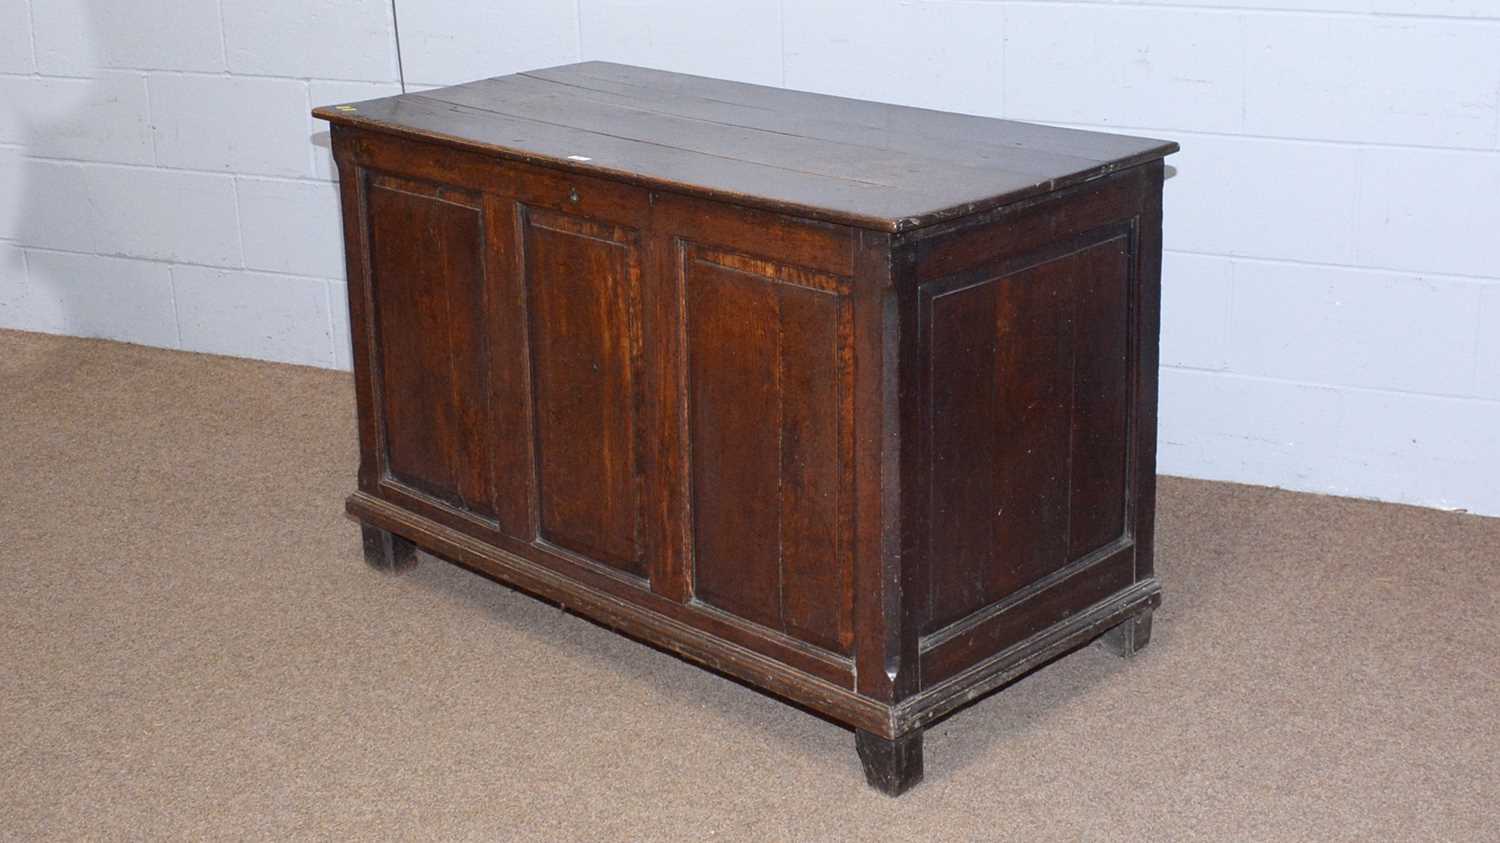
<point x="1332" y="276"/>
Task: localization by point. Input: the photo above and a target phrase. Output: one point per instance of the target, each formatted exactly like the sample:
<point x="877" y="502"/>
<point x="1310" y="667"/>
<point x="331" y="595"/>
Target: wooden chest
<point x="851" y="401"/>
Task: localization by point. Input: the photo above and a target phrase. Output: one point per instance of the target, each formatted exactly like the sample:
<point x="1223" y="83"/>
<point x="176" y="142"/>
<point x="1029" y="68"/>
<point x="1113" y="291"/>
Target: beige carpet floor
<point x="192" y="648"/>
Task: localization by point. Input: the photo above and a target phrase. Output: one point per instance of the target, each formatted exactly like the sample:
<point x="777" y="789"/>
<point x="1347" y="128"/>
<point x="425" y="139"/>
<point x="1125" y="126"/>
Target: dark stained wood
<point x="1030" y="379"/>
<point x="823" y="157"/>
<point x="816" y="595"/>
<point x="582" y="286"/>
<point x="1018" y="616"/>
<point x="666" y="518"/>
<point x="854" y="402"/>
<point x="898" y="128"/>
<point x="892" y="765"/>
<point x="573" y="193"/>
<point x="1146" y="353"/>
<point x="963" y="430"/>
<point x="434" y="360"/>
<point x="353" y="208"/>
<point x="767" y="382"/>
<point x="885" y="634"/>
<point x="1075" y="630"/>
<point x="385" y="551"/>
<point x="1035" y="380"/>
<point x="732" y="365"/>
<point x="1130" y="637"/>
<point x="797" y="672"/>
<point x="702" y="639"/>
<point x="1098" y="432"/>
<point x="948" y="249"/>
<point x="818" y="246"/>
<point x="510" y="393"/>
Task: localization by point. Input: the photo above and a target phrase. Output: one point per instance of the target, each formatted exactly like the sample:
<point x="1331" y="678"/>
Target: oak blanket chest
<point x="851" y="401"/>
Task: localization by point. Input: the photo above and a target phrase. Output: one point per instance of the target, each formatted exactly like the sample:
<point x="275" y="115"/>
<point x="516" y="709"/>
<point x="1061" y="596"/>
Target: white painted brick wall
<point x="1175" y="68"/>
<point x="62" y="36"/>
<point x="1195" y="310"/>
<point x="16" y="55"/>
<point x="161" y="180"/>
<point x="113" y="298"/>
<point x="1436" y="81"/>
<point x="12" y="163"/>
<point x="1331" y="304"/>
<point x="330" y="39"/>
<point x="946" y="57"/>
<point x="253" y="314"/>
<point x="1262" y="198"/>
<point x="77" y="37"/>
<point x="1487" y="365"/>
<point x="291" y="226"/>
<point x="689" y="36"/>
<point x="1430" y="210"/>
<point x="100" y="119"/>
<point x="235" y="124"/>
<point x="444" y="42"/>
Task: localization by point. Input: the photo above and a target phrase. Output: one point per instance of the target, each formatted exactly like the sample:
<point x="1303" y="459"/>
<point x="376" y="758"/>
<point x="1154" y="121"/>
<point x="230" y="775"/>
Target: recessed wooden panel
<point x="582" y="287"/>
<point x="768" y="391"/>
<point x="428" y="288"/>
<point x="1029" y="389"/>
<point x="1102" y="382"/>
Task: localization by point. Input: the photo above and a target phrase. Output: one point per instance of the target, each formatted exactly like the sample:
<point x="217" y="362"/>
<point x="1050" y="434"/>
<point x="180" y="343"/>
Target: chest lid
<point x="872" y="165"/>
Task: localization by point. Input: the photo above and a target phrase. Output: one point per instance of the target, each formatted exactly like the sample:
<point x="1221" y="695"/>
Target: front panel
<point x="582" y="287"/>
<point x="769" y="406"/>
<point x="432" y="362"/>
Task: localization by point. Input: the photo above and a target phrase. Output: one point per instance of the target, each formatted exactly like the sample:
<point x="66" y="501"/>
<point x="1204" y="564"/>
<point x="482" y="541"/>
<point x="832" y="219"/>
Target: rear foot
<point x="386" y="551"/>
<point x="1130" y="637"/>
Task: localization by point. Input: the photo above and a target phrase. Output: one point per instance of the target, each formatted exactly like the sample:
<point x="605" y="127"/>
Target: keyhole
<point x="573" y="195"/>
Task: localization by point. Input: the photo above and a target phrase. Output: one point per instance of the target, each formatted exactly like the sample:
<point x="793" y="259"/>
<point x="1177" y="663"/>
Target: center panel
<point x="768" y="392"/>
<point x="582" y="287"/>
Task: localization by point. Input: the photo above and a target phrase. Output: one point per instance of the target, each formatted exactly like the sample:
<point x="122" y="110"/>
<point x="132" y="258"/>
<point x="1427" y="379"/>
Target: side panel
<point x="582" y="282"/>
<point x="769" y="411"/>
<point x="1029" y="382"/>
<point x="1028" y="495"/>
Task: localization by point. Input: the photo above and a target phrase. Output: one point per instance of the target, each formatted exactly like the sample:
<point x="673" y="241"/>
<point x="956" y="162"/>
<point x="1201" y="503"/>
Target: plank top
<point x="873" y="165"/>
